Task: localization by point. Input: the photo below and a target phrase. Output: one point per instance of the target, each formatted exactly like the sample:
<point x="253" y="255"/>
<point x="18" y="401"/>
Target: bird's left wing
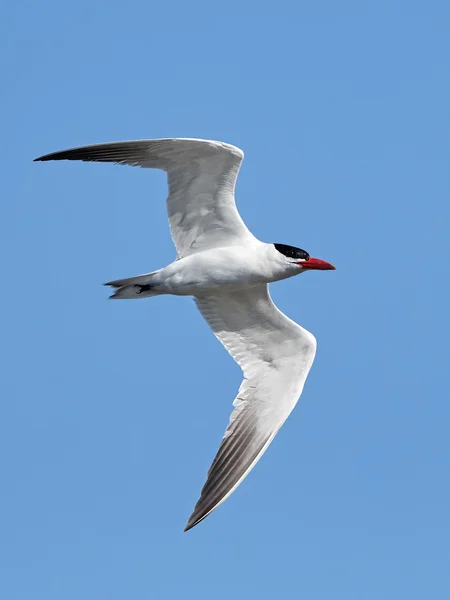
<point x="275" y="355"/>
<point x="201" y="175"/>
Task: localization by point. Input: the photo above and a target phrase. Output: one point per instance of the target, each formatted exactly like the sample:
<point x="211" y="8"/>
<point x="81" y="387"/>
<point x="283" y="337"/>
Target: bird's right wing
<point x="201" y="175"/>
<point x="275" y="355"/>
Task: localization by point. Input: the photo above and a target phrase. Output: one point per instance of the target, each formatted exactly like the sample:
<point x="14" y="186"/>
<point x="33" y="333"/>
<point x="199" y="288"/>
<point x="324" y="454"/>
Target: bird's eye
<point x="292" y="252"/>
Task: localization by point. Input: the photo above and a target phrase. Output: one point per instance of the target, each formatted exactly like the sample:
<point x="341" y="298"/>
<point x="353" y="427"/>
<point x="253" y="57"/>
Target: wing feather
<point x="201" y="176"/>
<point x="275" y="355"/>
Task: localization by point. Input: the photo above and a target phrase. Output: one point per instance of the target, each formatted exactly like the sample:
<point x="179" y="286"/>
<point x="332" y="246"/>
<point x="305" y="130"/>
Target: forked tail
<point x="134" y="287"/>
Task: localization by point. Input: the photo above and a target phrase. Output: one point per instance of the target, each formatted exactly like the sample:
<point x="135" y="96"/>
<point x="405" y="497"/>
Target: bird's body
<point x="230" y="269"/>
<point x="227" y="270"/>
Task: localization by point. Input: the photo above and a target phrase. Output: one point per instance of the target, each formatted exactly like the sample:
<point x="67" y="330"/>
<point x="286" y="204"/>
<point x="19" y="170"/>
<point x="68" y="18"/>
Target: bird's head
<point x="300" y="259"/>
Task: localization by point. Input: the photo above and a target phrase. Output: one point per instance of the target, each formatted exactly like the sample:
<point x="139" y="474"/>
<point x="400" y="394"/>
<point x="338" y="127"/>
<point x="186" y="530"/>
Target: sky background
<point x="112" y="411"/>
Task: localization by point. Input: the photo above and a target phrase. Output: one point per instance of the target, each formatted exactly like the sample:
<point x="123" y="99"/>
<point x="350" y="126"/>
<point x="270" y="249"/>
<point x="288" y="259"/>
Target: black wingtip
<point x="45" y="157"/>
<point x="190" y="525"/>
<point x="195" y="519"/>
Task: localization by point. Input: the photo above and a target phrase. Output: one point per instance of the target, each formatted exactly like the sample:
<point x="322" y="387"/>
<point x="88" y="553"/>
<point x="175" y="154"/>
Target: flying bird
<point x="227" y="271"/>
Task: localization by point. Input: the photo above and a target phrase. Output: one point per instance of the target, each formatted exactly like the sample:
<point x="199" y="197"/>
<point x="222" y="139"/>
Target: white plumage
<point x="227" y="270"/>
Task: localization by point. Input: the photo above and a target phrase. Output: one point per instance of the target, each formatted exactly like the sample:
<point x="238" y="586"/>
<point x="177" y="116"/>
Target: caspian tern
<point x="227" y="271"/>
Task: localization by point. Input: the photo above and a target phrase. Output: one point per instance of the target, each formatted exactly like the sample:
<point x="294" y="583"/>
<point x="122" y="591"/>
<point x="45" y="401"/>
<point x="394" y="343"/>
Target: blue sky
<point x="112" y="412"/>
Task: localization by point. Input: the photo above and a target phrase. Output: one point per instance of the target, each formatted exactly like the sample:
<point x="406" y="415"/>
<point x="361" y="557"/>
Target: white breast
<point x="230" y="268"/>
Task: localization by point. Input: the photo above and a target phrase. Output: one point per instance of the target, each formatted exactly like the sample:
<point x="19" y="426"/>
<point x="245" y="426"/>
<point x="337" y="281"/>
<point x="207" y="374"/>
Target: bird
<point x="227" y="270"/>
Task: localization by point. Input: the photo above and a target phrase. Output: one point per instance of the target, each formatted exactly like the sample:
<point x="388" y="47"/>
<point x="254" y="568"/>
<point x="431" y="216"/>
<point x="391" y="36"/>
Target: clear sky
<point x="112" y="411"/>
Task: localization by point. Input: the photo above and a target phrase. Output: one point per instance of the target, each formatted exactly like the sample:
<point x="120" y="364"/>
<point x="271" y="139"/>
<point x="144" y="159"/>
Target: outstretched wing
<point x="201" y="176"/>
<point x="275" y="355"/>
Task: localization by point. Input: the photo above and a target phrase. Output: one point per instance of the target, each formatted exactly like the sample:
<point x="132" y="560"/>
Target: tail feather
<point x="140" y="279"/>
<point x="134" y="287"/>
